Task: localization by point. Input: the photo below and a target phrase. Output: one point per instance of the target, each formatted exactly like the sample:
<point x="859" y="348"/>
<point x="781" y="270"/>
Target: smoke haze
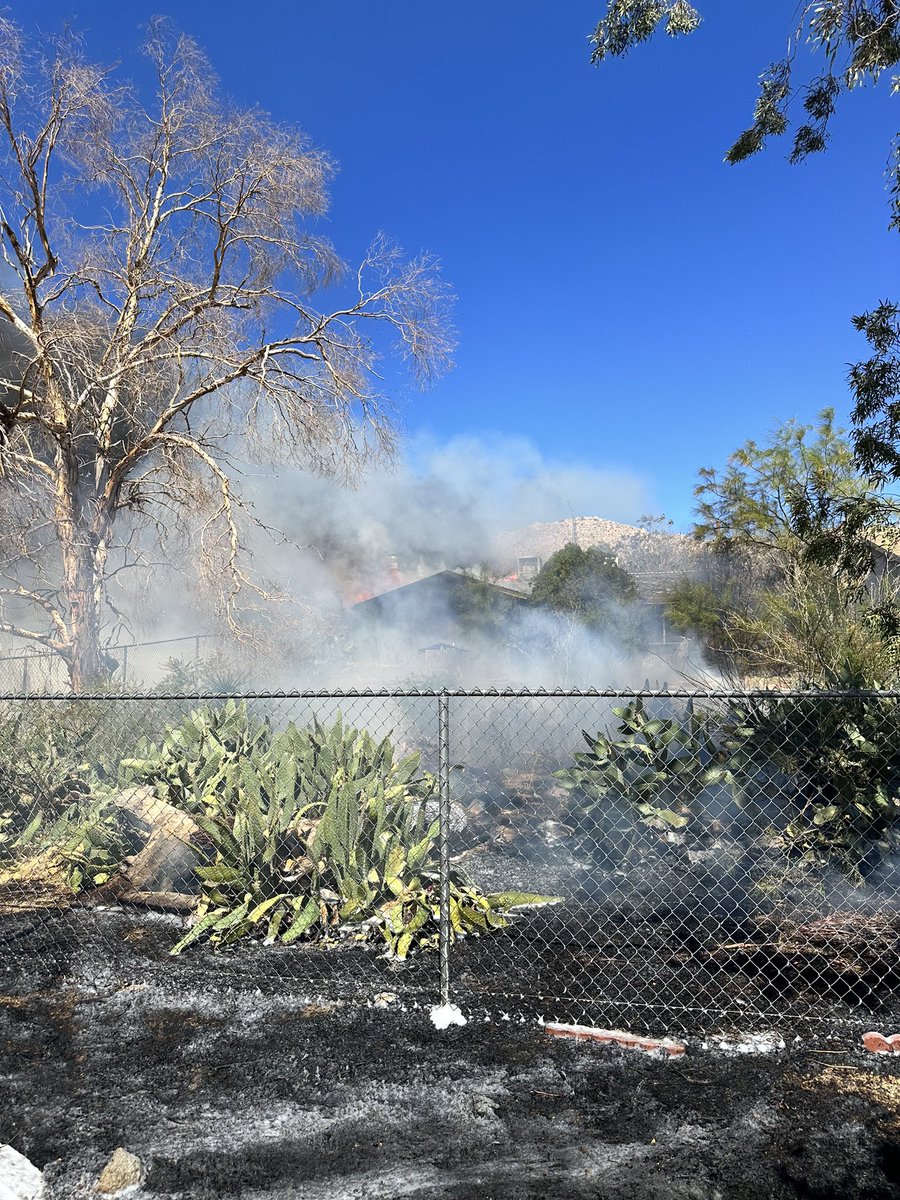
<point x="444" y="506"/>
<point x="441" y="506"/>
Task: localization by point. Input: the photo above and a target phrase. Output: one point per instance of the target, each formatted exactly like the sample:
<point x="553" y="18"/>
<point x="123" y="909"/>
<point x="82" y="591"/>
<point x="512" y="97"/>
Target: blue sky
<point x="626" y="301"/>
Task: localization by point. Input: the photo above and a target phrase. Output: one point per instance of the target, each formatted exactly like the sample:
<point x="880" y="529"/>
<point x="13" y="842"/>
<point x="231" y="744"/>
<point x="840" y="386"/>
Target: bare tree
<point x="159" y="264"/>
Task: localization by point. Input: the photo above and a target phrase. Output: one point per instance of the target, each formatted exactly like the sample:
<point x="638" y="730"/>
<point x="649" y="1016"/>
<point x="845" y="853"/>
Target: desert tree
<point x="792" y="594"/>
<point x="763" y="501"/>
<point x="160" y="259"/>
<point x="586" y="583"/>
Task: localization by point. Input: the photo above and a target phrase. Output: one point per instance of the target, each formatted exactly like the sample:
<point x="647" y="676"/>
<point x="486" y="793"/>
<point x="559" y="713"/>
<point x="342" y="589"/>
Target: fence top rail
<point x="472" y="694"/>
<point x="36" y="652"/>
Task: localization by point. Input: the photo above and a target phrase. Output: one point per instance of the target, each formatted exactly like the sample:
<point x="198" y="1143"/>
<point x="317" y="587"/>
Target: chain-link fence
<point x="201" y="661"/>
<point x="574" y="855"/>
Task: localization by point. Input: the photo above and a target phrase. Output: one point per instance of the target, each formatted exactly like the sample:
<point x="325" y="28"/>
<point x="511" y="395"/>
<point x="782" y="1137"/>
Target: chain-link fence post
<point x="444" y="839"/>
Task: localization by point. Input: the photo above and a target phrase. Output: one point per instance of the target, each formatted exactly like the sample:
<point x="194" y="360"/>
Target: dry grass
<point x="34" y="883"/>
<point x="872" y="1085"/>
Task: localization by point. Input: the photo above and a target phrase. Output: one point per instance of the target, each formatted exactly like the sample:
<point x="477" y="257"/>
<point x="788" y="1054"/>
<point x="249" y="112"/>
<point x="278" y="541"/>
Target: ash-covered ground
<point x="233" y="1076"/>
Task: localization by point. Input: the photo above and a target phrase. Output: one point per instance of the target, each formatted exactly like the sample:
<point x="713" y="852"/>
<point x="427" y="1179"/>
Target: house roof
<point x="437" y="588"/>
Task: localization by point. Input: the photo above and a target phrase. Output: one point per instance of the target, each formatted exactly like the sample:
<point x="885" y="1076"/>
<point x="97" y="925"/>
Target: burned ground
<point x="230" y="1079"/>
<point x="311" y="1070"/>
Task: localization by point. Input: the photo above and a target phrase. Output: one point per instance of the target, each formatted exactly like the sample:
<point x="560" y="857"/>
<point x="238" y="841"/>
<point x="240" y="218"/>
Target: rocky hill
<point x="664" y="555"/>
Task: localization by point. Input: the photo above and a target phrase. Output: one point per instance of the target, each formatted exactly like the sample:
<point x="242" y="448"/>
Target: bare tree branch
<point x="143" y="344"/>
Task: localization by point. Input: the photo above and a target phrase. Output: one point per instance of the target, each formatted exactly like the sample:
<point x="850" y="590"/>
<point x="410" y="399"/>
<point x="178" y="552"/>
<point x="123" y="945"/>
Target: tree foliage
<point x="816" y="612"/>
<point x="704" y="608"/>
<point x="875" y="383"/>
<point x="764" y="499"/>
<point x="852" y="42"/>
<point x="815" y="630"/>
<point x="160" y="258"/>
<point x="840" y="528"/>
<point x="627" y="23"/>
<point x="588" y="584"/>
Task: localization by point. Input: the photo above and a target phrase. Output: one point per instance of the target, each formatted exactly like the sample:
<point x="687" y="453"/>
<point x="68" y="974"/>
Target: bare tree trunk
<point x="82" y="571"/>
<point x="86" y="661"/>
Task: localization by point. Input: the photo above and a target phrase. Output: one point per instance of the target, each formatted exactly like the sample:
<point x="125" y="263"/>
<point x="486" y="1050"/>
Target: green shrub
<point x="840" y="758"/>
<point x="54" y="801"/>
<point x="655" y="767"/>
<point x="89" y="841"/>
<point x="218" y="672"/>
<point x="827" y="768"/>
<point x="316" y="833"/>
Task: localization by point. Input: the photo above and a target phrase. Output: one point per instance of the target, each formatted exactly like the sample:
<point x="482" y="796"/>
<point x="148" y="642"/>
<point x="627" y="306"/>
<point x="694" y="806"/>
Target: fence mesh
<point x="583" y="856"/>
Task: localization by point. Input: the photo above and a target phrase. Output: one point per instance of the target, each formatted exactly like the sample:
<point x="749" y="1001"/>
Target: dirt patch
<point x="230" y="1080"/>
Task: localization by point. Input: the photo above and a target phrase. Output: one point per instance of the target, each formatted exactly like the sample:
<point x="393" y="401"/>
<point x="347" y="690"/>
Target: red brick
<point x="616" y="1037"/>
<point x="877" y="1043"/>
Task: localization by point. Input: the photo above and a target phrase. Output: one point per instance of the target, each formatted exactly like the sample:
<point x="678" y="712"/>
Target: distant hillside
<point x="667" y="556"/>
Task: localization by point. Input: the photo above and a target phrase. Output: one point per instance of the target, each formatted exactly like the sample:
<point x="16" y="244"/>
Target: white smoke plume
<point x="443" y="506"/>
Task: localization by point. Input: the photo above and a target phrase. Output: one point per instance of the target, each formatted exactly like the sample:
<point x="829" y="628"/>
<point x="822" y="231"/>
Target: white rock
<point x="768" y="1042"/>
<point x="19" y="1179"/>
<point x="444" y="1015"/>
